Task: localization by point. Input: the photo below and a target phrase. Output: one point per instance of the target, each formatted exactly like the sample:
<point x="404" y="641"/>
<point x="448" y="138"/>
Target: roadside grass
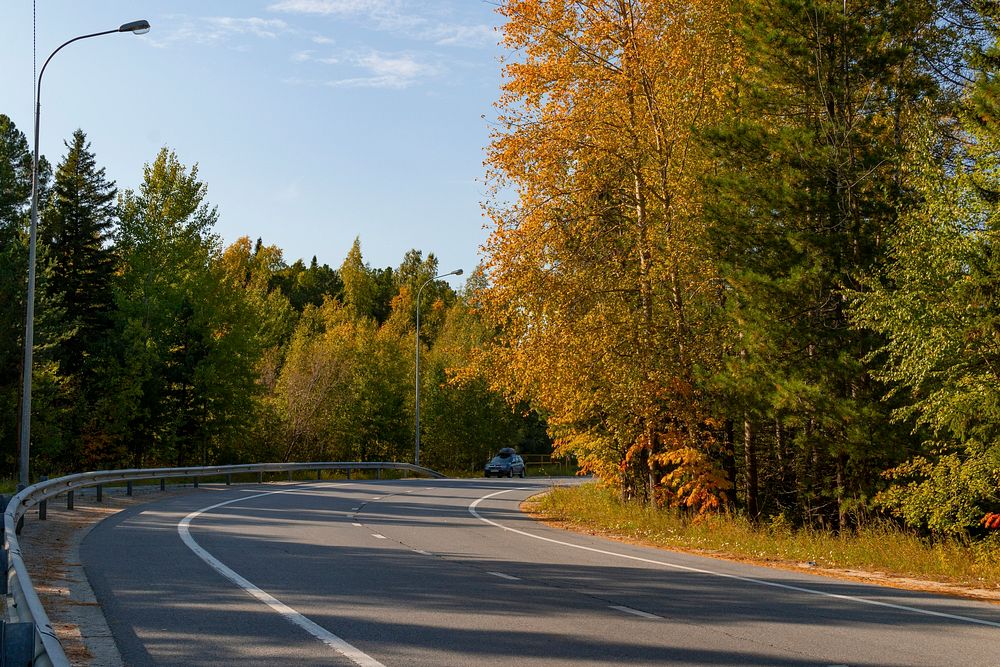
<point x="879" y="549"/>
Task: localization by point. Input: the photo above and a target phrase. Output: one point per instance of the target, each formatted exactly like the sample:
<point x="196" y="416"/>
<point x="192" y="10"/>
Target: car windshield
<point x="505" y="454"/>
<point x="500" y="459"/>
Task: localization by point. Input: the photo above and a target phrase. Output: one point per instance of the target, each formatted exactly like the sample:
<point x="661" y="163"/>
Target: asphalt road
<point x="448" y="572"/>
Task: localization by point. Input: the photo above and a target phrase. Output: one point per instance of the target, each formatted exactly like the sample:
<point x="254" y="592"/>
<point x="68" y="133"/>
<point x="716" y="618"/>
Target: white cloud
<point x="258" y="27"/>
<point x="217" y="29"/>
<point x="383" y="70"/>
<point x="411" y="18"/>
<point x="463" y="35"/>
<point x="331" y="6"/>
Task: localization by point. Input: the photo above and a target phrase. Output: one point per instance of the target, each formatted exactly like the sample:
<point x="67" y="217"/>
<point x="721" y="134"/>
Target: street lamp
<point x="136" y="28"/>
<point x="416" y="356"/>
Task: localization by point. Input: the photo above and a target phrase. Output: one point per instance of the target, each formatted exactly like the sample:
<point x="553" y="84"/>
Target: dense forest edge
<point x="747" y="268"/>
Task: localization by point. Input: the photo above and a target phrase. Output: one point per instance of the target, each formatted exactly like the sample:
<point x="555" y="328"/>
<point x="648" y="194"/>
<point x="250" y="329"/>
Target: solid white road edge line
<point x="751" y="580"/>
<point x="504" y="576"/>
<point x="353" y="654"/>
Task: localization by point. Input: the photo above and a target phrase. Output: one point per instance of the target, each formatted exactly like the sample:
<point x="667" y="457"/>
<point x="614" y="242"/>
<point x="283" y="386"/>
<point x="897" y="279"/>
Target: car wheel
<point x="510" y="472"/>
<point x="523" y="473"/>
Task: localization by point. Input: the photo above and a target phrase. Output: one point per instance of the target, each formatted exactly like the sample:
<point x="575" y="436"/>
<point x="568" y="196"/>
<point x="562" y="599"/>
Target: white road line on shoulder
<point x="381" y="537"/>
<point x="350" y="652"/>
<point x="723" y="575"/>
<point x="636" y="612"/>
<point x="358" y="525"/>
<point x="422" y="552"/>
<point x="504" y="576"/>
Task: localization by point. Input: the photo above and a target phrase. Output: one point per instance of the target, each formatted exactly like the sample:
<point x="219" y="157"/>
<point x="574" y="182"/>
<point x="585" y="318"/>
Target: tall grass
<point x="879" y="548"/>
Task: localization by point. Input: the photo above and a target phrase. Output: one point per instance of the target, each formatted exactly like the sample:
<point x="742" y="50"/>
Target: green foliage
<point x="343" y="392"/>
<point x="463" y="422"/>
<point x="15" y="197"/>
<point x="188" y="338"/>
<point x="307" y="285"/>
<point x="812" y="163"/>
<point x="936" y="304"/>
<point x="947" y="495"/>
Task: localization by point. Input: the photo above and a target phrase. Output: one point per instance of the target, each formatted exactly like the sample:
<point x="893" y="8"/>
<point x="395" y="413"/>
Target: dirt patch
<point x="531" y="508"/>
<point x="51" y="550"/>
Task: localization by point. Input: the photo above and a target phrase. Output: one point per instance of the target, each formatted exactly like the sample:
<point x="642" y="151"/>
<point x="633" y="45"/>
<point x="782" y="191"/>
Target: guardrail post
<point x="348" y="471"/>
<point x="128" y="488"/>
<point x="195" y="480"/>
<point x="378" y="472"/>
<point x="43" y="506"/>
<point x="100" y="493"/>
<point x="289" y="475"/>
<point x="4" y="499"/>
<point x="319" y="474"/>
<point x="163" y="484"/>
<point x="260" y="478"/>
<point x="18" y="643"/>
<point x="69" y="499"/>
<point x="229" y="479"/>
<point x="20" y="522"/>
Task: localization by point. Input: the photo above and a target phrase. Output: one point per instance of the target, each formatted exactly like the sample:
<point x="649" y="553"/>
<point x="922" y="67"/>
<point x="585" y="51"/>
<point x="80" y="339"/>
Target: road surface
<point x="449" y="572"/>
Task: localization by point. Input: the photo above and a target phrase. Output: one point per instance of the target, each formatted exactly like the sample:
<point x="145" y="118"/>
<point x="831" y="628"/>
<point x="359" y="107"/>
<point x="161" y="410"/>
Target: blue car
<point x="506" y="463"/>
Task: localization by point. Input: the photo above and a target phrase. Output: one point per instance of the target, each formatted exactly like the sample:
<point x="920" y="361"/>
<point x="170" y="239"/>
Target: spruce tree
<point x="811" y="176"/>
<point x="75" y="236"/>
<point x="75" y="303"/>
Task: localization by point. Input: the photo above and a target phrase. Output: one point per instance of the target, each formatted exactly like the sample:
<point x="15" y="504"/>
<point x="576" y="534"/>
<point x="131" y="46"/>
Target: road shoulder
<point x="51" y="551"/>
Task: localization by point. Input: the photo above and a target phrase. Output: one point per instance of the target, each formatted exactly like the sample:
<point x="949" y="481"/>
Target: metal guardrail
<point x="24" y="609"/>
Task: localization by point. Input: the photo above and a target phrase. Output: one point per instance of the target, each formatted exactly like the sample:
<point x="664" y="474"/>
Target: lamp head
<point x="135" y="27"/>
<point x="457" y="272"/>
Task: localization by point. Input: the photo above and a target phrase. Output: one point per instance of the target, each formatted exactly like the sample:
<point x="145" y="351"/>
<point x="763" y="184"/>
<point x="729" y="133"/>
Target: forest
<point x="749" y="263"/>
<point x="740" y="260"/>
<point x="155" y="345"/>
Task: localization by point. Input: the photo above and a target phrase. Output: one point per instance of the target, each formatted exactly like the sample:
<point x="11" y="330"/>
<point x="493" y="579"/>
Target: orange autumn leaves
<point x="598" y="284"/>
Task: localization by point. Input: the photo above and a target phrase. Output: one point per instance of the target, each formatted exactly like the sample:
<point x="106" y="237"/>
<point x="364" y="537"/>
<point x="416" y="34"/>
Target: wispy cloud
<point x="414" y="19"/>
<point x="391" y="71"/>
<point x="371" y="69"/>
<point x="218" y="29"/>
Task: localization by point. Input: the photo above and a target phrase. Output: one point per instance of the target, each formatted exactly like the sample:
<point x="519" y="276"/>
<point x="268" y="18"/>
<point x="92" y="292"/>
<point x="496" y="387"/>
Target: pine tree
<point x="811" y="176"/>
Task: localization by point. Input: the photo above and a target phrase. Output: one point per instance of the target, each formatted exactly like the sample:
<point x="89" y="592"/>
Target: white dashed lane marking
<point x="636" y="612"/>
<point x="504" y="576"/>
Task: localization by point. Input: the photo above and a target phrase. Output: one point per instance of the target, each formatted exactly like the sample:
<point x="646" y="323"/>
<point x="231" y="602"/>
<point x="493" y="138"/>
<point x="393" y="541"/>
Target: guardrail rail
<point x="26" y="634"/>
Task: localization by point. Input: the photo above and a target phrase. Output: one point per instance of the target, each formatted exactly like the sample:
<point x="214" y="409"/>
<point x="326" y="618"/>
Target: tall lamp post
<point x="416" y="356"/>
<point x="136" y="28"/>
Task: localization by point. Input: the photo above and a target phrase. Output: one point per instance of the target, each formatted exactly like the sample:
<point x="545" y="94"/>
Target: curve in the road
<point x="724" y="575"/>
<point x="352" y="653"/>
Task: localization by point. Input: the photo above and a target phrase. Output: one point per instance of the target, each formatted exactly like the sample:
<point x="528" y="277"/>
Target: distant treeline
<point x="157" y="346"/>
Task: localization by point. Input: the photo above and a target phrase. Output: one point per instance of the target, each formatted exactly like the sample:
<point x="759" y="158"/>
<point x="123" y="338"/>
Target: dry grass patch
<point x="881" y="553"/>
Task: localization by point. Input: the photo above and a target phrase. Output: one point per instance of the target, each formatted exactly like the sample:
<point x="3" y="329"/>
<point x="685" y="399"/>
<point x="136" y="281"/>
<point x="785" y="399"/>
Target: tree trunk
<point x="750" y="459"/>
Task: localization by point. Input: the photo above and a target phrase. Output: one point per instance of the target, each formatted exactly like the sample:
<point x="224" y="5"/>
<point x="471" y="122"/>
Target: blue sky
<point x="312" y="121"/>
